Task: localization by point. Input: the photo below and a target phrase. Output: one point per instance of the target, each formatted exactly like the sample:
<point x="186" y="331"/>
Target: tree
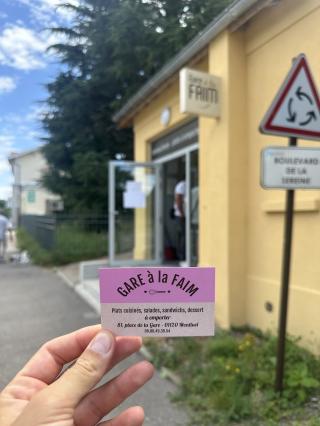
<point x="111" y="49"/>
<point x="4" y="207"/>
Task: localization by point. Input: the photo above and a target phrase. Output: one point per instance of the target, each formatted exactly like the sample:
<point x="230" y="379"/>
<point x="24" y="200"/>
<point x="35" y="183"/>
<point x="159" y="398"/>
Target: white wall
<point x="28" y="170"/>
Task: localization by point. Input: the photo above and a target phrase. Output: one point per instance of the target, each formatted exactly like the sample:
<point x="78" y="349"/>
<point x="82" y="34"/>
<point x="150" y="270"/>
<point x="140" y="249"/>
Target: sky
<point x="25" y="69"/>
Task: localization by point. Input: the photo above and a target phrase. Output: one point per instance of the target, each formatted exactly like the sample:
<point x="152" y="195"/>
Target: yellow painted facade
<point x="241" y="225"/>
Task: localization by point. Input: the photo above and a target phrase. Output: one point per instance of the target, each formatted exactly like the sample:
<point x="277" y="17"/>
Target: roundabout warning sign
<point x="295" y="111"/>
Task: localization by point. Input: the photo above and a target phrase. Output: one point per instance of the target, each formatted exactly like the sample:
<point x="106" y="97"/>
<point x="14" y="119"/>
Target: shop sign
<point x="295" y="111"/>
<point x="290" y="168"/>
<point x="199" y="93"/>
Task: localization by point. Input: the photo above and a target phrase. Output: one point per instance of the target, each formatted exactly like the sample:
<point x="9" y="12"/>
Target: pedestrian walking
<point x="4" y="227"/>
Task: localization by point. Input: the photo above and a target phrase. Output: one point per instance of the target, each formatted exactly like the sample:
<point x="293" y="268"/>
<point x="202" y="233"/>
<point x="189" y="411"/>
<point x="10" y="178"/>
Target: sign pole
<point x="285" y="281"/>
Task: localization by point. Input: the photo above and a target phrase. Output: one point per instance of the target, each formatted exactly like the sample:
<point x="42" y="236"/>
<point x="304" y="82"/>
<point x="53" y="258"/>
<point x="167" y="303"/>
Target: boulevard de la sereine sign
<point x="295" y="113"/>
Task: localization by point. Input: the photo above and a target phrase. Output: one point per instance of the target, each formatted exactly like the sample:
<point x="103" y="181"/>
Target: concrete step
<point x="89" y="291"/>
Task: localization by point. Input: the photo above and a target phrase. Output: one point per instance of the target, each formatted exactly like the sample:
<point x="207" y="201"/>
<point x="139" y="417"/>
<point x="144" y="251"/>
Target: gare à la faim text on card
<point x="158" y="301"/>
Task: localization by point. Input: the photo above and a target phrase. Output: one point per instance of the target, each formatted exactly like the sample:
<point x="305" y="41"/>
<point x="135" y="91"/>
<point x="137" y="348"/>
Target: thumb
<point x="90" y="367"/>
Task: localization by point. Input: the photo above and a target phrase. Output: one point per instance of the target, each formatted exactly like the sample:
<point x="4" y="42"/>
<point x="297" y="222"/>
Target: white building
<point x="29" y="197"/>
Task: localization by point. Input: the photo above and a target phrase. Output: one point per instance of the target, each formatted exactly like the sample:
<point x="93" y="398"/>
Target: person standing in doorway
<point x="179" y="213"/>
<point x="4" y="226"/>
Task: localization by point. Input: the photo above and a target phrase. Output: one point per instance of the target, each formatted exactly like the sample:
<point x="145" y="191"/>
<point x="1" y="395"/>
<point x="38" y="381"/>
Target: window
<point x="31" y="196"/>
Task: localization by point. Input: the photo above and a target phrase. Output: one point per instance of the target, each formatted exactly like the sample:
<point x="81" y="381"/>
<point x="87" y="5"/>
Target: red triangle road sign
<point x="295" y="111"/>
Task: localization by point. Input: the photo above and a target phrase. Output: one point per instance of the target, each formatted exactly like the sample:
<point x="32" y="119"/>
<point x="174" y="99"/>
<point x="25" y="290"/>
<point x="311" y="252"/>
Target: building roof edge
<point x="14" y="155"/>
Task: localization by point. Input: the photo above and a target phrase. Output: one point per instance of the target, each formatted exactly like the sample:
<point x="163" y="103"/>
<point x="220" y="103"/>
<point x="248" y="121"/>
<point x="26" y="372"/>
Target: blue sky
<point x="25" y="68"/>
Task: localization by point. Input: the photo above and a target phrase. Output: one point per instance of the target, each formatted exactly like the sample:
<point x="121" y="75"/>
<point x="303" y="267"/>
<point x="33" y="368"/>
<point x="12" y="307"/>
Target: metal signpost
<point x="295" y="112"/>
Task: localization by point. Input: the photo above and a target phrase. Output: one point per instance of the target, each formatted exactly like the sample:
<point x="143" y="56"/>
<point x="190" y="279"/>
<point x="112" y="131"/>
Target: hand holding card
<point x="158" y="301"/>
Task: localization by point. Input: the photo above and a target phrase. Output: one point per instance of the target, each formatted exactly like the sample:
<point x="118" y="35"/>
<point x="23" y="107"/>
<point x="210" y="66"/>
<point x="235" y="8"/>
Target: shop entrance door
<point x="135" y="214"/>
<point x="180" y="235"/>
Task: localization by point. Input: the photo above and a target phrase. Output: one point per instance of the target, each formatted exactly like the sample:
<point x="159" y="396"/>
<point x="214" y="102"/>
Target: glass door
<point x="134" y="214"/>
<point x="180" y="232"/>
<point x="194" y="208"/>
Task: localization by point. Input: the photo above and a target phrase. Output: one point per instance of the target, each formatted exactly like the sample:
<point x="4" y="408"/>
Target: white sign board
<point x="134" y="200"/>
<point x="199" y="93"/>
<point x="133" y="196"/>
<point x="290" y="168"/>
<point x="295" y="111"/>
<point x="133" y="186"/>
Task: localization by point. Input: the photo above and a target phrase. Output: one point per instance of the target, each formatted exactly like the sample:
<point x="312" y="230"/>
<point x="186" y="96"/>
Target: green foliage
<point x="112" y="47"/>
<point x="71" y="245"/>
<point x="230" y="378"/>
<point x="25" y="242"/>
<point x="3" y="207"/>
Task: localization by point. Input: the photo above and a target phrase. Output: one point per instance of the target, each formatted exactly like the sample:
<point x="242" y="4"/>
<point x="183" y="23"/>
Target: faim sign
<point x="295" y="111"/>
<point x="199" y="93"/>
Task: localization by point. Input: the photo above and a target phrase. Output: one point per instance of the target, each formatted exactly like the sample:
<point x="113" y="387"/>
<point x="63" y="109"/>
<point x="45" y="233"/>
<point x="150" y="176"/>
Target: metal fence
<point x="44" y="228"/>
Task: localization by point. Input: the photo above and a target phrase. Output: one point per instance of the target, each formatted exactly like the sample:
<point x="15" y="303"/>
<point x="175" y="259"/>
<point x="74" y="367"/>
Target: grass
<point x="71" y="245"/>
<point x="230" y="378"/>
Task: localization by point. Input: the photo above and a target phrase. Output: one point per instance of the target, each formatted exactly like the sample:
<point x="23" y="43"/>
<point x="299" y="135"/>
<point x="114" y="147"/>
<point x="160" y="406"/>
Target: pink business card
<point x="160" y="301"/>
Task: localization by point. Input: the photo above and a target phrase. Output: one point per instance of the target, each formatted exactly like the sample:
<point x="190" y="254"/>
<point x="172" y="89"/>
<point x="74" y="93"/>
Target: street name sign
<point x="290" y="168"/>
<point x="199" y="93"/>
<point x="295" y="111"/>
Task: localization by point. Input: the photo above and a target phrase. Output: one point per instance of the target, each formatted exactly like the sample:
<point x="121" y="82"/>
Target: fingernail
<point x="102" y="343"/>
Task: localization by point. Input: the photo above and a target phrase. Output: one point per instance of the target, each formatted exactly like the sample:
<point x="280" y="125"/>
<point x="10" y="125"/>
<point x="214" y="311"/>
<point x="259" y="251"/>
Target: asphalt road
<point x="35" y="306"/>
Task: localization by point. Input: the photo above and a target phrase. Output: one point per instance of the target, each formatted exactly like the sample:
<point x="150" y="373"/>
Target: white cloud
<point x="22" y="48"/>
<point x="48" y="12"/>
<point x="7" y="84"/>
<point x="5" y="192"/>
<point x="3" y="165"/>
<point x="36" y="112"/>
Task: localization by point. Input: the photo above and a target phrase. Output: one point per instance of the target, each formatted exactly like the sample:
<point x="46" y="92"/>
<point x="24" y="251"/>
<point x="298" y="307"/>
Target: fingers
<point x="134" y="416"/>
<point x="48" y="362"/>
<point x="101" y="401"/>
<point x="90" y="367"/>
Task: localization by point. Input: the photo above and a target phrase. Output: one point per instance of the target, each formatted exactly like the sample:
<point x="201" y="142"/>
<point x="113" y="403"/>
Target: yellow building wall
<point x="223" y="181"/>
<point x="241" y="225"/>
<point x="273" y="38"/>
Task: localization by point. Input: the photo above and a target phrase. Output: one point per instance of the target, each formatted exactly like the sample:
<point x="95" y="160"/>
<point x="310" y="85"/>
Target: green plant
<point x="38" y="255"/>
<point x="230" y="378"/>
<point x="71" y="245"/>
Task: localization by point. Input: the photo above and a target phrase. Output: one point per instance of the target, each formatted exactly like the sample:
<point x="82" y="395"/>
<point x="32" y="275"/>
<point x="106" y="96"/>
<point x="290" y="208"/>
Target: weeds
<point x="71" y="245"/>
<point x="230" y="378"/>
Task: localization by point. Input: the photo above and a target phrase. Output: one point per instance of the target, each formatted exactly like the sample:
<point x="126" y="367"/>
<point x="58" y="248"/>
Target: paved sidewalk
<point x="35" y="305"/>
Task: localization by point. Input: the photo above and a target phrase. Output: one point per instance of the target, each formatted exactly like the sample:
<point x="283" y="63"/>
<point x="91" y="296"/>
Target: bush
<point x="230" y="377"/>
<point x="37" y="254"/>
<point x="71" y="245"/>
